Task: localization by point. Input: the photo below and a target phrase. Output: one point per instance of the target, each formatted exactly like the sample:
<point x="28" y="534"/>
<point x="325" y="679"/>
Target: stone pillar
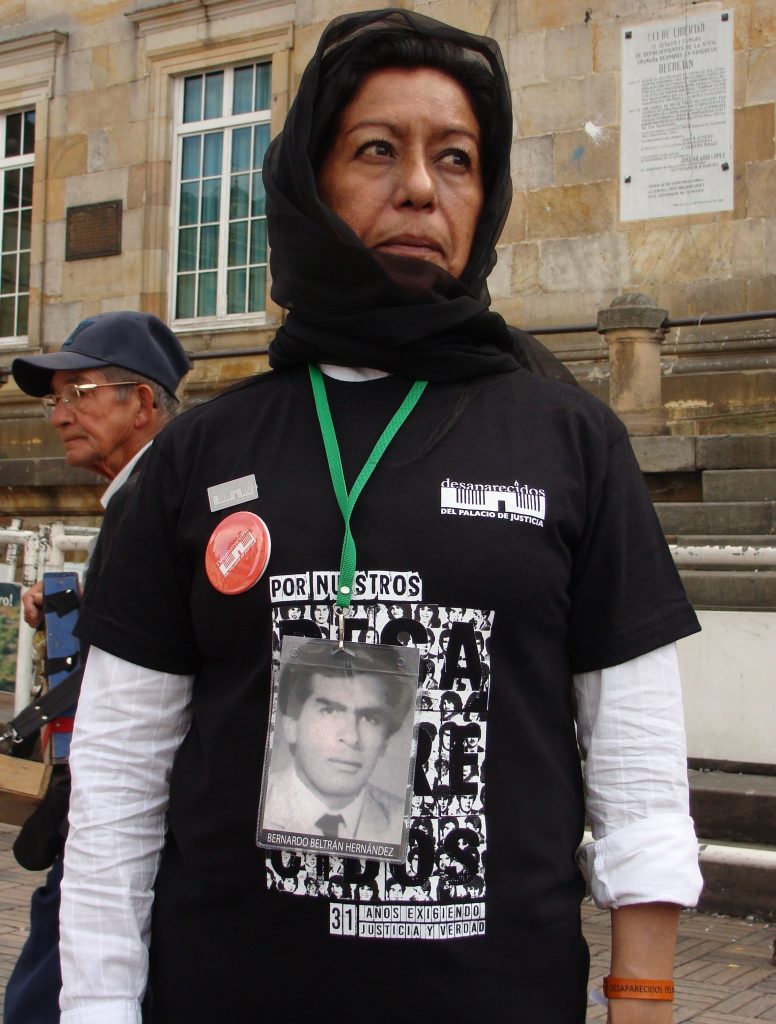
<point x="632" y="326"/>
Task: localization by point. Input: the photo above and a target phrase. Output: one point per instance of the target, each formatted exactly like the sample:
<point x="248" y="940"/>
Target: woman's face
<point x="404" y="169"/>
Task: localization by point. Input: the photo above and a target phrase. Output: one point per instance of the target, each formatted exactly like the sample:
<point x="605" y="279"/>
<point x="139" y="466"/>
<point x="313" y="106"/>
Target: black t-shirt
<point x="512" y="504"/>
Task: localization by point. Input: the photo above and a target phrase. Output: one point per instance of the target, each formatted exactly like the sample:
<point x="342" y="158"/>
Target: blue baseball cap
<point x="138" y="342"/>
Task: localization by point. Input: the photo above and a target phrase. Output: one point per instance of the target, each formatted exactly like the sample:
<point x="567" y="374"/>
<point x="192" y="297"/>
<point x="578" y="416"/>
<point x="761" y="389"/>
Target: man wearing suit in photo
<point x="337" y="726"/>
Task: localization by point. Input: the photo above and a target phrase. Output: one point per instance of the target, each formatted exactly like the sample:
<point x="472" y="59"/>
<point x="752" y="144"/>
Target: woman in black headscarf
<point x="509" y="499"/>
<point x="347" y="303"/>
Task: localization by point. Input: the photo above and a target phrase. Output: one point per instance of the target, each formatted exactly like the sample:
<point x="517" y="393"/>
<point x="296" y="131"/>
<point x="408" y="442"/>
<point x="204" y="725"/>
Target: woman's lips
<point x="411" y="245"/>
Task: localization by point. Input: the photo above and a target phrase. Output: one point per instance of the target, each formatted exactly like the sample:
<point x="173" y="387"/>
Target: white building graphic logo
<point x="515" y="502"/>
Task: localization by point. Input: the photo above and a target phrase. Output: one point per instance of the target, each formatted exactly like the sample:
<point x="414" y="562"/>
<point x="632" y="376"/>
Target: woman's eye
<point x="375" y="147"/>
<point x="456" y="158"/>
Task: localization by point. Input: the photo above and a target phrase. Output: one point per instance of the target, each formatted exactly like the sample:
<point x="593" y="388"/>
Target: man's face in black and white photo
<point x="339" y="735"/>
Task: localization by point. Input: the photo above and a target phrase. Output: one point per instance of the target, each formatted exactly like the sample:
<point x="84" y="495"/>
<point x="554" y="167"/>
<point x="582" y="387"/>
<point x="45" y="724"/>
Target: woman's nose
<point x="416" y="186"/>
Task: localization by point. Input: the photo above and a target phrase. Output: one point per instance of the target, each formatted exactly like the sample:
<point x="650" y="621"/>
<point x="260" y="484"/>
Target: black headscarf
<point x="349" y="305"/>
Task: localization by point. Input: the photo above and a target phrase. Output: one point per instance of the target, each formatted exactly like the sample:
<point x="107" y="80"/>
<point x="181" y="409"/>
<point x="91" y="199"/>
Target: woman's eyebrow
<point x="395" y="129"/>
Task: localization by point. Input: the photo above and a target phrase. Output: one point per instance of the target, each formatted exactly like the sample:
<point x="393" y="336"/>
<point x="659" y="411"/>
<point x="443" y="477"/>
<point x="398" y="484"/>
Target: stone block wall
<point x="99" y="74"/>
<point x="564" y="64"/>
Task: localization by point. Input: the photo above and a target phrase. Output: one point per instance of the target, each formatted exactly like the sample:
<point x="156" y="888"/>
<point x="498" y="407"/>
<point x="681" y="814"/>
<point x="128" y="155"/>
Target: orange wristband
<point x="638" y="988"/>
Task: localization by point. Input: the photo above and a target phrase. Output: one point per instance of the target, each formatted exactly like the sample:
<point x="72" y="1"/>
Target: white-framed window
<point x="220" y="244"/>
<point x="17" y="146"/>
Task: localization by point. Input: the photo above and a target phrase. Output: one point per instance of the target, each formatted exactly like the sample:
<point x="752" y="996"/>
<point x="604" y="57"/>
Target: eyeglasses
<point x="73" y="394"/>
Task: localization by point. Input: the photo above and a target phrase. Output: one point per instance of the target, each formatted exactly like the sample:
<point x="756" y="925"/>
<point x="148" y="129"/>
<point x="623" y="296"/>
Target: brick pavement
<point x="724" y="973"/>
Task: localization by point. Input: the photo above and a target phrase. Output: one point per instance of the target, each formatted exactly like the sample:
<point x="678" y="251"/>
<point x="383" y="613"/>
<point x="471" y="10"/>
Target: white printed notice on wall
<point x="676" y="139"/>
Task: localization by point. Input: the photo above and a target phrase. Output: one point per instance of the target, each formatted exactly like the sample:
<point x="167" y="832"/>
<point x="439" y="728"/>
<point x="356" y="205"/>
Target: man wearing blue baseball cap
<point x="107" y="392"/>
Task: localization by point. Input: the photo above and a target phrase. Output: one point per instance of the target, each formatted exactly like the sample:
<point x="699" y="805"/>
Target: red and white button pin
<point x="237" y="553"/>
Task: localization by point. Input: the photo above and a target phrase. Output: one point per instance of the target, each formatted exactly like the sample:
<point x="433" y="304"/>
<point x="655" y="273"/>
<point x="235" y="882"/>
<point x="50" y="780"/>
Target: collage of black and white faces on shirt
<point x="343" y="748"/>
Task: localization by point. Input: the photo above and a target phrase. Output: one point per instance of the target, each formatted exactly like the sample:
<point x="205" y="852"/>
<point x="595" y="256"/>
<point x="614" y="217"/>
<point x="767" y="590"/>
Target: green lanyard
<point x="347" y="501"/>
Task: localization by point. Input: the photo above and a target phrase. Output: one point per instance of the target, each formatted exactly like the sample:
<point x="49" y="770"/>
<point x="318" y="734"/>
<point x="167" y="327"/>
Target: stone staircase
<point x="720" y="518"/>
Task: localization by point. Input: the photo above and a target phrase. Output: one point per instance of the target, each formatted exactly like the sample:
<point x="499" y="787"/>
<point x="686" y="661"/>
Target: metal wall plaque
<point x="676" y="136"/>
<point x="93" y="230"/>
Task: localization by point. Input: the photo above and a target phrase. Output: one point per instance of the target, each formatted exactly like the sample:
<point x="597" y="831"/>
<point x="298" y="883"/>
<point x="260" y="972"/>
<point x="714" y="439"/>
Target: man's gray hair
<point x="166" y="403"/>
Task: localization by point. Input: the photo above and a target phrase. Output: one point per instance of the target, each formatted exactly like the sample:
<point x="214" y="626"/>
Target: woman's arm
<point x="643" y="863"/>
<point x="130" y="722"/>
<point x="643" y="946"/>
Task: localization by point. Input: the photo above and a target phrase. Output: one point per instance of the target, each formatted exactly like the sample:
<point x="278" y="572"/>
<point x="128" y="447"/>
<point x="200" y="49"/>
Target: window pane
<point x="221" y="272"/>
<point x="257" y="277"/>
<point x="8" y="274"/>
<point x="187" y="249"/>
<point x="238" y="243"/>
<point x="189" y="202"/>
<point x="208" y="248"/>
<point x="214" y="144"/>
<point x="260" y="143"/>
<point x="259" y="199"/>
<point x="24" y="234"/>
<point x="29" y="132"/>
<point x="206" y="306"/>
<point x="12" y="189"/>
<point x="7" y="327"/>
<point x="211" y="200"/>
<point x="241" y="149"/>
<point x="192" y="99"/>
<point x="190" y="158"/>
<point x="258" y="241"/>
<point x="235" y="291"/>
<point x="238" y="197"/>
<point x="22" y="314"/>
<point x="13" y="135"/>
<point x="27" y="186"/>
<point x="24" y="272"/>
<point x="214" y="94"/>
<point x="243" y="90"/>
<point x="10" y="231"/>
<point x="263" y="87"/>
<point x="184" y="307"/>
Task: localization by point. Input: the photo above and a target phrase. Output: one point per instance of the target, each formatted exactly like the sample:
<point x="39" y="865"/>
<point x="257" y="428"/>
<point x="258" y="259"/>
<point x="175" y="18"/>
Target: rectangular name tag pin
<point x="233" y="492"/>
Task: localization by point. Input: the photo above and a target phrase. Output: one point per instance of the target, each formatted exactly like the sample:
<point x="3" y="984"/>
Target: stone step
<point x="733" y="807"/>
<point x="723" y="590"/>
<point x="736" y="451"/>
<point x="44" y="472"/>
<point x="721" y="517"/>
<point x="688" y="454"/>
<point x="735" y="820"/>
<point x="739" y="485"/>
<point x="738" y="879"/>
<point x="716" y="540"/>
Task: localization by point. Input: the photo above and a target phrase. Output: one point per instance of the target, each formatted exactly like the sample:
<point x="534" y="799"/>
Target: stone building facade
<point x="131" y="135"/>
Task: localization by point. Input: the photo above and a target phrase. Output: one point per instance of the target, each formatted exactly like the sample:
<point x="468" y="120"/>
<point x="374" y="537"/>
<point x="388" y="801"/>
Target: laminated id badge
<point x="339" y="762"/>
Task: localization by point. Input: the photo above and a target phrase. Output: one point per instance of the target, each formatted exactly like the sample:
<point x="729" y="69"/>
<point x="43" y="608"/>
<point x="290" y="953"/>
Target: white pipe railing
<point x="731" y="556"/>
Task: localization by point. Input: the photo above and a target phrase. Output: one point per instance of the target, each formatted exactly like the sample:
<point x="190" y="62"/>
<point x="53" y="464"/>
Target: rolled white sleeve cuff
<point x="654" y="860"/>
<point x="118" y="1011"/>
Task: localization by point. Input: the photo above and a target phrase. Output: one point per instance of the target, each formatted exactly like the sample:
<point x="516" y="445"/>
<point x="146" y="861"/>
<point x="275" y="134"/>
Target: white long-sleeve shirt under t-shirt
<point x="131" y="721"/>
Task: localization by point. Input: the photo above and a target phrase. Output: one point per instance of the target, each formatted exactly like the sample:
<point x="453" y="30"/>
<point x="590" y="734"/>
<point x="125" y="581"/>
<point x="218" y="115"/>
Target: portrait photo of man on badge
<point x="340" y="758"/>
